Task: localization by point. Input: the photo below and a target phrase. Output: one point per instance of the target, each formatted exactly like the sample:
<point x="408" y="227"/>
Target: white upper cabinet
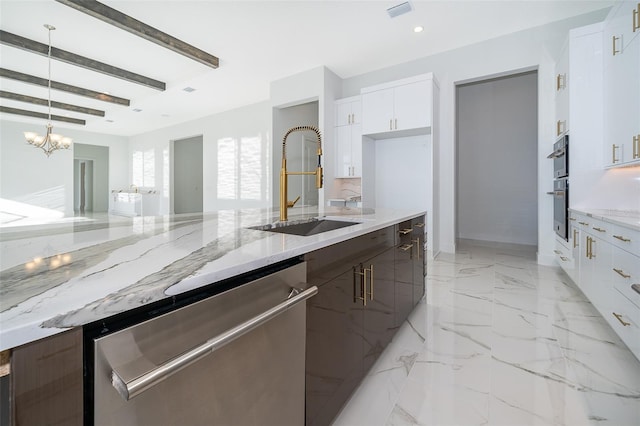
<point x="622" y="85"/>
<point x="348" y="111"/>
<point x="562" y="91"/>
<point x="398" y="108"/>
<point x="348" y="138"/>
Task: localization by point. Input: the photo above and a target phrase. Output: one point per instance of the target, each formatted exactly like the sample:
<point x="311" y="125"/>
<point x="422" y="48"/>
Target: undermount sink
<point x="312" y="227"/>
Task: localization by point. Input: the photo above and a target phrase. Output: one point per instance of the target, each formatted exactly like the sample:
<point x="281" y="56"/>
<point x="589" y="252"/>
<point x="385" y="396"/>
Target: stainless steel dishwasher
<point x="237" y="358"/>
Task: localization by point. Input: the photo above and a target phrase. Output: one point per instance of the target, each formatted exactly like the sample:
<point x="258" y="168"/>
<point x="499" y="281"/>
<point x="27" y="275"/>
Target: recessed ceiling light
<point x="189" y="89"/>
<point x="418" y="29"/>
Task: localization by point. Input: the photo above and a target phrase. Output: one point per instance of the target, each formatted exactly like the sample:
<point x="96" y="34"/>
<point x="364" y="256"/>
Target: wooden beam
<point x="26" y="113"/>
<point x="33" y="46"/>
<point x="60" y="105"/>
<point x="63" y="87"/>
<point x="140" y="29"/>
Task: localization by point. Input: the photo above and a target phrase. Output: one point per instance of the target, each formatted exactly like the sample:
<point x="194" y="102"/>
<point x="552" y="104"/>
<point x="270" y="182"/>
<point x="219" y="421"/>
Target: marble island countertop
<point x="627" y="218"/>
<point x="57" y="276"/>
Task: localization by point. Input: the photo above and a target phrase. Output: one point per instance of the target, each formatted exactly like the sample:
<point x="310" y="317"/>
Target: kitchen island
<point x="61" y="277"/>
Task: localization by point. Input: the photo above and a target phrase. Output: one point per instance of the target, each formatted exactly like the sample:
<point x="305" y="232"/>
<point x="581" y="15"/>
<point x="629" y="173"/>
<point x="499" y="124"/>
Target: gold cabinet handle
<point x="564" y="259"/>
<point x="619" y="318"/>
<point x="417" y="243"/>
<point x="636" y="21"/>
<point x="561" y="127"/>
<point x="396" y="123"/>
<point x="621" y="273"/>
<point x="614" y="160"/>
<point x="583" y="223"/>
<point x="589" y="253"/>
<point x="561" y="81"/>
<point x="615" y="52"/>
<point x="636" y="147"/>
<point x="557" y="251"/>
<point x="390" y="124"/>
<point x="572" y="218"/>
<point x="363" y="286"/>
<point x="621" y="238"/>
<point x="405" y="247"/>
<point x="420" y="225"/>
<point x="405" y="231"/>
<point x="575" y="240"/>
<point x="599" y="229"/>
<point x="371" y="282"/>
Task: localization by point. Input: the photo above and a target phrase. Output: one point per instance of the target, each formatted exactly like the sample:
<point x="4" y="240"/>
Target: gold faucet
<point x="284" y="174"/>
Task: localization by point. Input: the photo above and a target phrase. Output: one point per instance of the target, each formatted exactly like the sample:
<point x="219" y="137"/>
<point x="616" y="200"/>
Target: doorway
<point x="187" y="175"/>
<point x="496" y="159"/>
<point x="90" y="179"/>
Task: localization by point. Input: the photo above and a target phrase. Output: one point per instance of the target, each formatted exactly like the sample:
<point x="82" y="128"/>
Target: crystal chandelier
<point x="50" y="141"/>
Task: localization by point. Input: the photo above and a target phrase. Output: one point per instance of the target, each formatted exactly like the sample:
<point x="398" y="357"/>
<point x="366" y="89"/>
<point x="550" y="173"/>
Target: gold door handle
<point x="405" y="247"/>
<point x="615" y="52"/>
<point x="405" y="231"/>
<point x="591" y="255"/>
<point x="614" y="160"/>
<point x="363" y="286"/>
<point x="575" y="241"/>
<point x="621" y="238"/>
<point x="619" y="318"/>
<point x="621" y="273"/>
<point x="417" y="243"/>
<point x="599" y="229"/>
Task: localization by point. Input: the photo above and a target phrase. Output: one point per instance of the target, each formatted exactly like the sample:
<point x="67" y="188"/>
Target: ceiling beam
<point x="26" y="113"/>
<point x="60" y="105"/>
<point x="140" y="29"/>
<point x="63" y="87"/>
<point x="33" y="46"/>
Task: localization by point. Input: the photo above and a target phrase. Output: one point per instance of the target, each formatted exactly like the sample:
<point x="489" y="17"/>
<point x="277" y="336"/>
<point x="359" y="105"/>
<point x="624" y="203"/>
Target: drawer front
<point x="626" y="273"/>
<point x="624" y="318"/>
<point x="625" y="238"/>
<point x="599" y="228"/>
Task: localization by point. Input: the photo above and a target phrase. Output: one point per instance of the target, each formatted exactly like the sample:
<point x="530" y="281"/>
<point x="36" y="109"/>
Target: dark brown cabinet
<point x="367" y="287"/>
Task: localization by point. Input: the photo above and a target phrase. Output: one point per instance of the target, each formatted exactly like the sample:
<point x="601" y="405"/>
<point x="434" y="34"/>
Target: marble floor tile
<point x="499" y="340"/>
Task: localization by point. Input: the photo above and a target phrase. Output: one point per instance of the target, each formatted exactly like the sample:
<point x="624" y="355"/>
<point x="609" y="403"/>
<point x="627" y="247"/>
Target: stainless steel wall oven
<point x="560" y="157"/>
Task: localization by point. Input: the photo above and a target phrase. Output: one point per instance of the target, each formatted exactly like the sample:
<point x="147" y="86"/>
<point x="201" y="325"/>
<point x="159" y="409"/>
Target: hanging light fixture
<point x="50" y="141"/>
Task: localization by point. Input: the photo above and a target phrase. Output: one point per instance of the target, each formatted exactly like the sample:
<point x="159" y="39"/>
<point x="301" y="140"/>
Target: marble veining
<point x="55" y="276"/>
<point x="500" y="340"/>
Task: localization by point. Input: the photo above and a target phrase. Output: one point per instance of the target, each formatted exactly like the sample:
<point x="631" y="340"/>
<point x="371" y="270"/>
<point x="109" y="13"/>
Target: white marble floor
<point x="500" y="340"/>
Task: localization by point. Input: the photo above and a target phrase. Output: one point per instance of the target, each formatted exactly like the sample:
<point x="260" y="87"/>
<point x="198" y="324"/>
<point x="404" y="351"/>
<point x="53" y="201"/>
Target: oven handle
<point x="557" y="153"/>
<point x="140" y="384"/>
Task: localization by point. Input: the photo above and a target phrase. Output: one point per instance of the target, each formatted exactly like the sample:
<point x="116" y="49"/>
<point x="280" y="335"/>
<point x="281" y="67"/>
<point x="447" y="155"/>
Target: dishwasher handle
<point x="135" y="387"/>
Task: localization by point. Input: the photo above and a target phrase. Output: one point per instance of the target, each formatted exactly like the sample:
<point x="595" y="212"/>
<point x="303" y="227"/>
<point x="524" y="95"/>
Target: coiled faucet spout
<point x="284" y="174"/>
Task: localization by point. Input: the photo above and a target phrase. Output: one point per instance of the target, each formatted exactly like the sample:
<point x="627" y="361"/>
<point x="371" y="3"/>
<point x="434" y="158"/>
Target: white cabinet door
<point x="621" y="89"/>
<point x="412" y="105"/>
<point x="562" y="92"/>
<point x="348" y="151"/>
<point x="348" y="111"/>
<point x="377" y="111"/>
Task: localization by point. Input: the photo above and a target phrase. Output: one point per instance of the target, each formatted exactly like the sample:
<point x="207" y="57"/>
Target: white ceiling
<point x="257" y="42"/>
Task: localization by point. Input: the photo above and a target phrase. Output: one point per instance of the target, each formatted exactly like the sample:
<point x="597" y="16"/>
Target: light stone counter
<point x="627" y="218"/>
<point x="55" y="277"/>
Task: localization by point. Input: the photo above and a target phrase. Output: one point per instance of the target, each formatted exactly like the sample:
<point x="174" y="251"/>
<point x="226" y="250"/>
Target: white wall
<point x="28" y="176"/>
<point x="496" y="160"/>
<point x="526" y="50"/>
<point x="245" y="134"/>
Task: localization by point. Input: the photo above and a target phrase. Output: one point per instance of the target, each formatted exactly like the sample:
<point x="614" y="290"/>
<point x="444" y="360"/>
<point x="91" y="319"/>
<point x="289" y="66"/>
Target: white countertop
<point x="57" y="276"/>
<point x="627" y="218"/>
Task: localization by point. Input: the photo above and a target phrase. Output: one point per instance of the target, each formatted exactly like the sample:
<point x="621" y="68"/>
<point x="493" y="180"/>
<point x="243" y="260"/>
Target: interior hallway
<point x="500" y="340"/>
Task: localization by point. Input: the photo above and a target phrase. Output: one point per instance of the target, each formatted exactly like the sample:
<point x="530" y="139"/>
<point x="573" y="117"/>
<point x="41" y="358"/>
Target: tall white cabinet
<point x="622" y="85"/>
<point x="400" y="148"/>
<point x="348" y="137"/>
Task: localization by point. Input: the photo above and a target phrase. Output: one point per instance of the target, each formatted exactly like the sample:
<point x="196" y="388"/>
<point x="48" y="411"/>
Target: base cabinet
<point x="366" y="289"/>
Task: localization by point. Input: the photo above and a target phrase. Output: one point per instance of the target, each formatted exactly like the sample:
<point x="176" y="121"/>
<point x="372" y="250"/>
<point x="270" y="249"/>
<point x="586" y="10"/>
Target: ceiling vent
<point x="399" y="9"/>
